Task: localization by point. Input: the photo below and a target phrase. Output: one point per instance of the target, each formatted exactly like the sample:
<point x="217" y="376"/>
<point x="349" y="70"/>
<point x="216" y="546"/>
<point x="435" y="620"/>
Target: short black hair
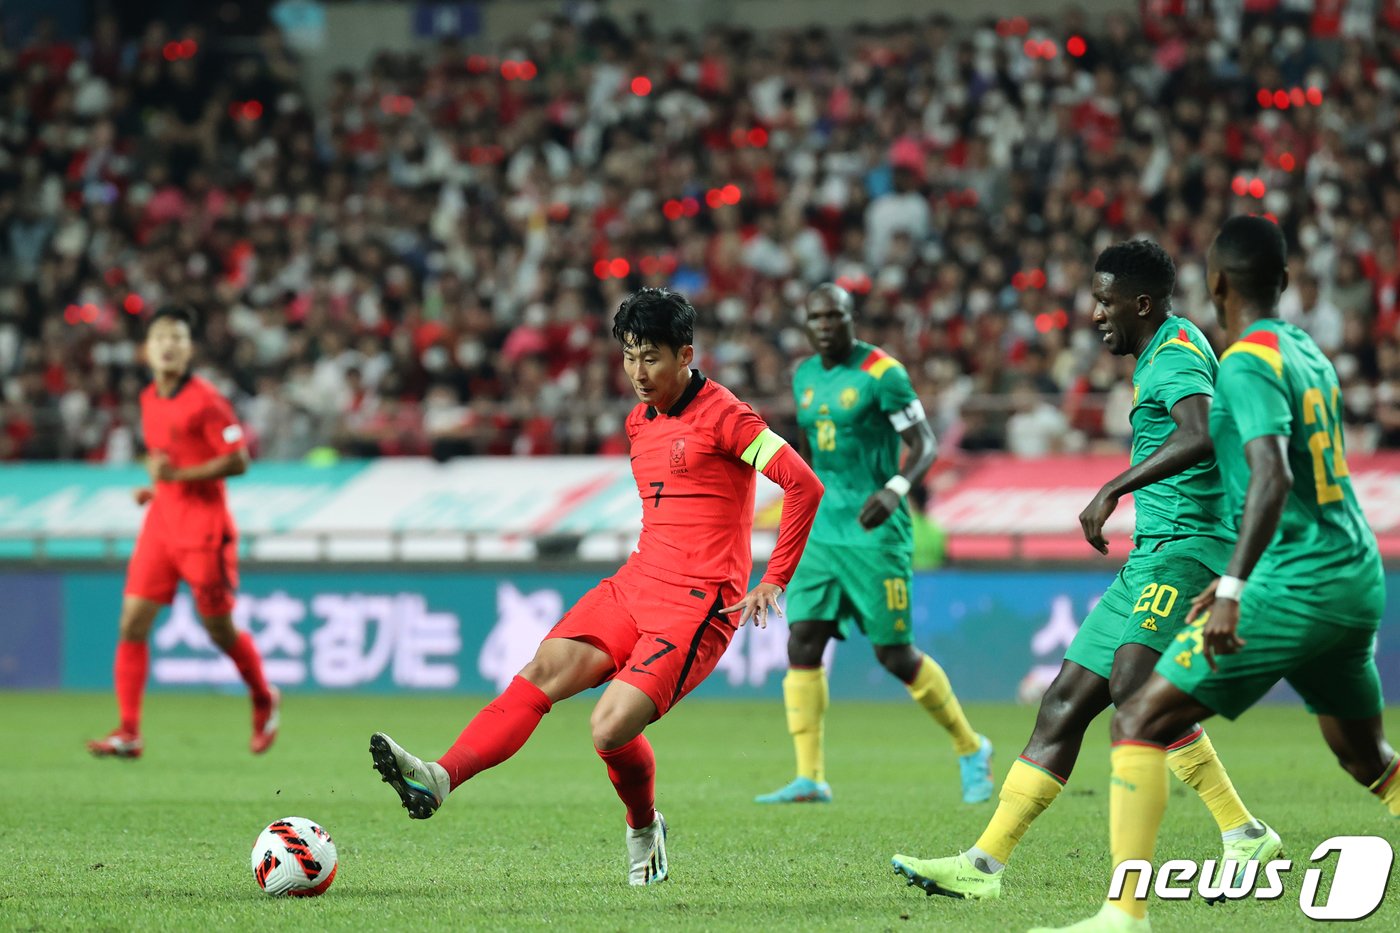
<point x="657" y="316"/>
<point x="1141" y="267"/>
<point x="172" y="313"/>
<point x="1254" y="255"/>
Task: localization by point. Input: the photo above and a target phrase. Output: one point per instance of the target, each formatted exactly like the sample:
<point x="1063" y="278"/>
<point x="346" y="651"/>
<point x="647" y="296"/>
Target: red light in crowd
<point x="1061" y="318"/>
<point x="88" y="313"/>
<point x="1281" y="99"/>
<point x="713" y="199"/>
<point x="171" y="51"/>
<point x="690" y="206"/>
<point x="600" y="269"/>
<point x="1256" y="188"/>
<point x="1020" y="25"/>
<point x="188" y="47"/>
<point x="620" y="268"/>
<point x="1265" y="98"/>
<point x="641" y="85"/>
<point x="1287" y="162"/>
<point x="1314" y="96"/>
<point x="528" y="71"/>
<point x="1036" y="278"/>
<point x="673" y="209"/>
<point x="1003" y="28"/>
<point x="758" y="137"/>
<point x="1031" y="48"/>
<point x="1044" y="322"/>
<point x="476" y="64"/>
<point x="730" y="194"/>
<point x="1048" y="49"/>
<point x="1018" y="281"/>
<point x="1296" y="98"/>
<point x="133" y="304"/>
<point x="1076" y="46"/>
<point x="1240" y="185"/>
<point x="70" y="314"/>
<point x="510" y="70"/>
<point x="738" y="138"/>
<point x="252" y="110"/>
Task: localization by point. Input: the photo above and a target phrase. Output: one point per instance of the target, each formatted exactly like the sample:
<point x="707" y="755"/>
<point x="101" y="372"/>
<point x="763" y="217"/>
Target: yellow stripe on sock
<point x="1387" y="787"/>
<point x="805" y="696"/>
<point x="1137" y="801"/>
<point x="934" y="693"/>
<point x="1199" y="767"/>
<point x="1026" y="792"/>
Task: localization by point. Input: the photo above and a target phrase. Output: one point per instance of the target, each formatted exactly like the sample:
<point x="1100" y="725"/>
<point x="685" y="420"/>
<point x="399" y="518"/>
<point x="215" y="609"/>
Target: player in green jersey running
<point x="1303" y="592"/>
<point x="1179" y="547"/>
<point x="856" y="407"/>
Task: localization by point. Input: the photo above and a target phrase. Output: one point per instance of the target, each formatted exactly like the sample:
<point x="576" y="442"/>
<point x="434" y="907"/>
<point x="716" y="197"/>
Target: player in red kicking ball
<point x="194" y="441"/>
<point x="657" y="627"/>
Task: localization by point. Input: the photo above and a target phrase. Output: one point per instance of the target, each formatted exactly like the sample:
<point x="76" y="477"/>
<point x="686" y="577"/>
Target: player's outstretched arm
<point x="234" y="463"/>
<point x="923" y="450"/>
<point x="1270" y="479"/>
<point x="1187" y="446"/>
<point x="802" y="492"/>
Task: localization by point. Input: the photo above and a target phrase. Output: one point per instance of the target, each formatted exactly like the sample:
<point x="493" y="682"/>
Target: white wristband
<point x="898" y="485"/>
<point x="1229" y="588"/>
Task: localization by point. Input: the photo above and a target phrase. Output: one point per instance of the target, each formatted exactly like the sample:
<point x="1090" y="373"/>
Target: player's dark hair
<point x="172" y="313"/>
<point x="1140" y="267"/>
<point x="1253" y="254"/>
<point x="657" y="316"/>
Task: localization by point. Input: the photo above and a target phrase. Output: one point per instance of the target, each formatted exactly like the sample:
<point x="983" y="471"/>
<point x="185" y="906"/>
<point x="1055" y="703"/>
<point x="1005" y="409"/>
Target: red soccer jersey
<point x="697" y="489"/>
<point x="194" y="425"/>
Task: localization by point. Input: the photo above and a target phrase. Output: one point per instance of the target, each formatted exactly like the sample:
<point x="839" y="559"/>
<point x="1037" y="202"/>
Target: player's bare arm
<point x="234" y="463"/>
<point x="1270" y="479"/>
<point x="917" y="435"/>
<point x="1187" y="446"/>
<point x="756" y="603"/>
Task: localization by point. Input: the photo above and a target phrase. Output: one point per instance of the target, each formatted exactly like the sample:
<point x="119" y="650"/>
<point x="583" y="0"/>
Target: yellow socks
<point x="1137" y="800"/>
<point x="1193" y="759"/>
<point x="1387" y="787"/>
<point x="1026" y="792"/>
<point x="805" y="695"/>
<point x="931" y="690"/>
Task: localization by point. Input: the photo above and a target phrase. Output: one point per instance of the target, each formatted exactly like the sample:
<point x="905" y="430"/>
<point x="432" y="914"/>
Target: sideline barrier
<point x="1000" y="633"/>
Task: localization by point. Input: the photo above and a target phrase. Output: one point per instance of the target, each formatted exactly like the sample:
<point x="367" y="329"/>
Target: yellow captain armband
<point x="762" y="449"/>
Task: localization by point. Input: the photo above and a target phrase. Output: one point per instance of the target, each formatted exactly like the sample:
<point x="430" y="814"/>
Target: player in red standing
<point x="194" y="441"/>
<point x="657" y="627"/>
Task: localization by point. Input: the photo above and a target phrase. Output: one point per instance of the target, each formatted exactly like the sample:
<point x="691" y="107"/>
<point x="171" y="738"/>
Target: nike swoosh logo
<point x="640" y="671"/>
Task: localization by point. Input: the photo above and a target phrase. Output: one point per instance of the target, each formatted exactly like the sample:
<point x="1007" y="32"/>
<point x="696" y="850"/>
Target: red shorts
<point x="664" y="638"/>
<point x="156" y="569"/>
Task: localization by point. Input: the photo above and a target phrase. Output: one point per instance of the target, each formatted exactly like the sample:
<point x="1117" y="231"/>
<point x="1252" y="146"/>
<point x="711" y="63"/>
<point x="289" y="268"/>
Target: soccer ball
<point x="294" y="856"/>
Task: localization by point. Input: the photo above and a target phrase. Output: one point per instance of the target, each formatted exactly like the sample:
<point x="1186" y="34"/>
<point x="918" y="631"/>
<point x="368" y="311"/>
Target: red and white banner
<point x="999" y="507"/>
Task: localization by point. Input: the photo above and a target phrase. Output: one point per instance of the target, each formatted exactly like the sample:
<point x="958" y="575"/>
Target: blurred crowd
<point x="425" y="258"/>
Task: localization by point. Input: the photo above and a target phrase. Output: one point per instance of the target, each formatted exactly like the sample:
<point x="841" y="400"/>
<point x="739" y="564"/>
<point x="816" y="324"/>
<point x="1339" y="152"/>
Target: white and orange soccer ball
<point x="295" y="857"/>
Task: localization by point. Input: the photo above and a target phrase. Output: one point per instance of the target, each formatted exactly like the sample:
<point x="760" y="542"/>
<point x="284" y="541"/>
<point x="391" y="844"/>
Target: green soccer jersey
<point x="1275" y="381"/>
<point x="845" y="413"/>
<point x="1177" y="363"/>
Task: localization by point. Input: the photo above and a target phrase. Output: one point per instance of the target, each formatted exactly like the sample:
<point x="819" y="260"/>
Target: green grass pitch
<point x="163" y="843"/>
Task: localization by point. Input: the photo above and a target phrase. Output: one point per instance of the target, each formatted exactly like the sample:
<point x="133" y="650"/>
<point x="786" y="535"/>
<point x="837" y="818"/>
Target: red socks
<point x="129" y="677"/>
<point x="632" y="770"/>
<point x="249" y="663"/>
<point x="497" y="732"/>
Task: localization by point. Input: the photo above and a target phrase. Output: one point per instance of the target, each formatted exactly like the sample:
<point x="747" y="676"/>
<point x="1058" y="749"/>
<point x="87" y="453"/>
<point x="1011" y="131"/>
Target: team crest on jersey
<point x="678" y="456"/>
<point x="849" y="397"/>
<point x="806" y="396"/>
<point x="824" y="410"/>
